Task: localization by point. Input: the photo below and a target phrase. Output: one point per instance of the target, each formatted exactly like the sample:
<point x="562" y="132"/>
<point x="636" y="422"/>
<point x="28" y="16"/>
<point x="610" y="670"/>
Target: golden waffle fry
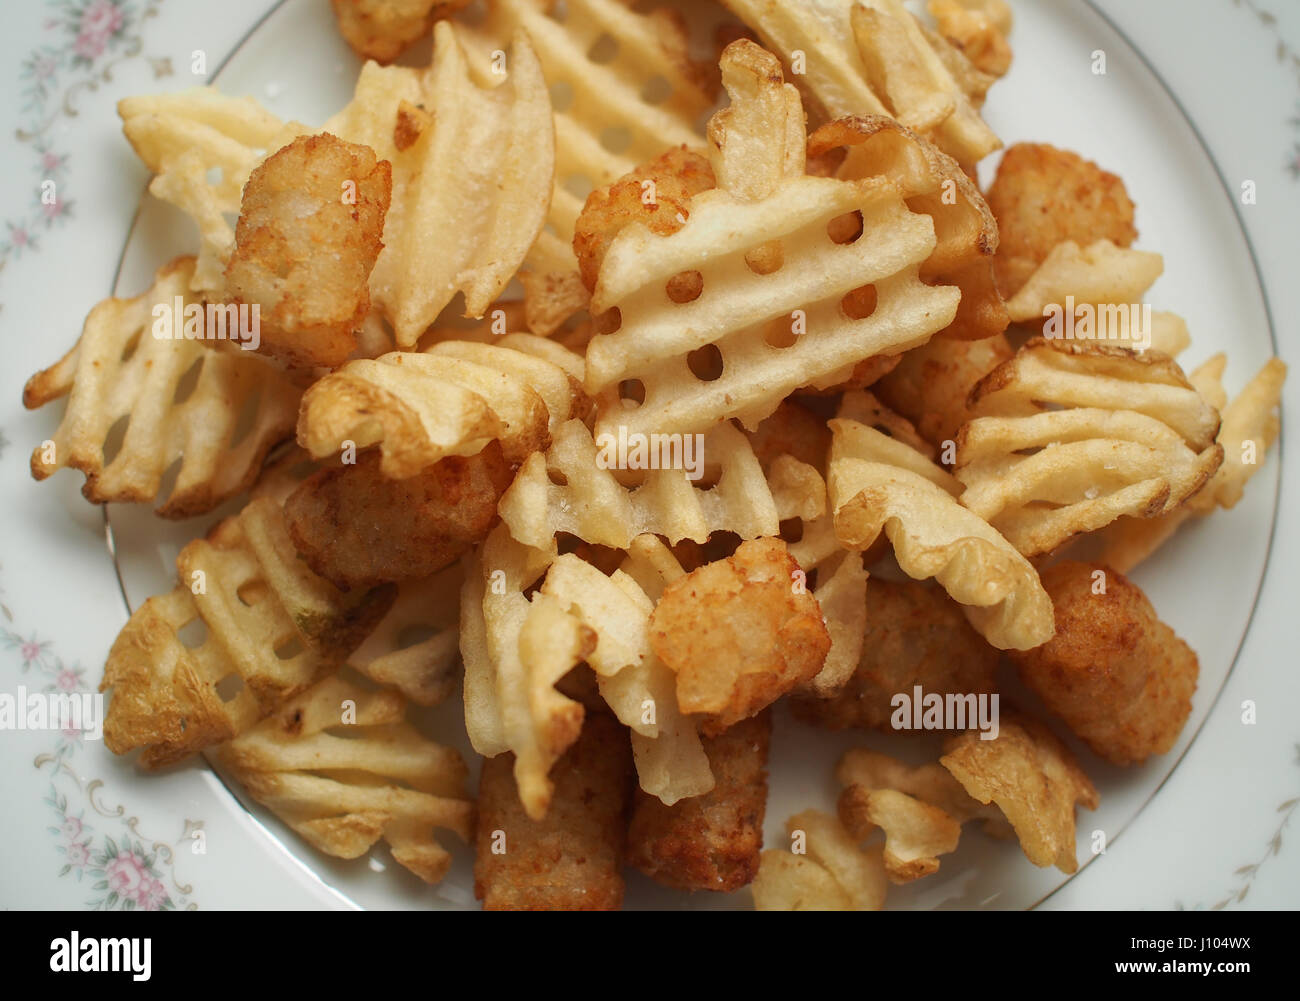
<point x="1100" y="274"/>
<point x="765" y="257"/>
<point x="872" y="57"/>
<point x="1033" y="778"/>
<point x="861" y="771"/>
<point x="342" y="767"/>
<point x="842" y="596"/>
<point x="1134" y="438"/>
<point x="916" y="833"/>
<point x="934" y="536"/>
<point x="593" y="505"/>
<point x="625" y="90"/>
<point x="424" y="671"/>
<point x="1250" y="427"/>
<point x="450" y="400"/>
<point x="482" y="171"/>
<point x="935" y="184"/>
<point x="216" y="413"/>
<point x="201" y="147"/>
<point x="269" y="625"/>
<point x="832" y="874"/>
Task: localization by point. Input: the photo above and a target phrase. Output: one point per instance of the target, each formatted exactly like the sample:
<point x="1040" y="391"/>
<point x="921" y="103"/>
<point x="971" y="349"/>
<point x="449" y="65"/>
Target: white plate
<point x="1206" y="583"/>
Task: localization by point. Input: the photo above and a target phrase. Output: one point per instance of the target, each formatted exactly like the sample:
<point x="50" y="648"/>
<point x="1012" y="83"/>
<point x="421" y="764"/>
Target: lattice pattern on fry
<point x="270" y="628"/>
<point x="593" y="505"/>
<point x="625" y="89"/>
<point x="473" y="165"/>
<point x="201" y="147"/>
<point x="216" y="413"/>
<point x="768" y="265"/>
<point x="341" y="766"/>
<point x="450" y="400"/>
<point x="935" y="184"/>
<point x="1129" y="436"/>
<point x="872" y="57"/>
<point x="1249" y="429"/>
<point x="934" y="536"/>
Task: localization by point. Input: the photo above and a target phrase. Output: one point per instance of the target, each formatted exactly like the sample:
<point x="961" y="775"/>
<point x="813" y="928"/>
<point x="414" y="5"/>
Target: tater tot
<point x="1114" y="673"/>
<point x="709" y="842"/>
<point x="916" y="635"/>
<point x="1043" y="196"/>
<point x="307" y="238"/>
<point x="381" y="29"/>
<point x="572" y="859"/>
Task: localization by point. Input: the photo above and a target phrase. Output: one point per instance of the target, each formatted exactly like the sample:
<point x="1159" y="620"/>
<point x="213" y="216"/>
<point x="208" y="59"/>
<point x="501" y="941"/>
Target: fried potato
<point x="916" y="833"/>
<point x="1129" y="435"/>
<point x="343" y="783"/>
<point x="841" y="594"/>
<point x="657" y="194"/>
<point x="1034" y="780"/>
<point x="864" y="408"/>
<point x="709" y="842"/>
<point x="1044" y="196"/>
<point x="934" y="536"/>
<point x="795" y="431"/>
<point x="590" y="503"/>
<point x="914" y="635"/>
<point x="1250" y="427"/>
<point x="763" y="199"/>
<point x="117" y="371"/>
<point x="572" y="859"/>
<point x="1118" y="676"/>
<point x="268" y="623"/>
<point x="307" y="238"/>
<point x="979" y="29"/>
<point x="861" y="772"/>
<point x="834" y="874"/>
<point x="738" y="635"/>
<point x="356" y="527"/>
<point x="381" y="29"/>
<point x="1101" y="275"/>
<point x="931" y="384"/>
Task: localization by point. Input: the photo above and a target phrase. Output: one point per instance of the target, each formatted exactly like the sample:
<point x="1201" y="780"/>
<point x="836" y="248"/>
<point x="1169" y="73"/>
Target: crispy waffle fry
<point x="189" y="138"/>
<point x="1100" y="274"/>
<point x="482" y="171"/>
<point x="934" y="536"/>
<point x="425" y="670"/>
<point x="1136" y="439"/>
<point x="341" y="766"/>
<point x="874" y="58"/>
<point x="268" y="621"/>
<point x="628" y="90"/>
<point x="935" y="184"/>
<point x="591" y="504"/>
<point x="979" y="28"/>
<point x="861" y="771"/>
<point x="214" y="413"/>
<point x="732" y="237"/>
<point x="834" y="875"/>
<point x="1249" y="429"/>
<point x="450" y="400"/>
<point x="1033" y="778"/>
<point x="916" y="833"/>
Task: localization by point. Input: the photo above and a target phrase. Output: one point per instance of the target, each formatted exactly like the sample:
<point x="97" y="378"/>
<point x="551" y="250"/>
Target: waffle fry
<point x="343" y="789"/>
<point x="731" y="240"/>
<point x="916" y="833"/>
<point x="934" y="536"/>
<point x="594" y="506"/>
<point x="1100" y="274"/>
<point x="935" y="184"/>
<point x="1034" y="780"/>
<point x="1135" y="438"/>
<point x="834" y="874"/>
<point x="186" y="139"/>
<point x="269" y="623"/>
<point x="861" y="771"/>
<point x="483" y="172"/>
<point x="618" y="111"/>
<point x="874" y="58"/>
<point x="1249" y="429"/>
<point x="450" y="400"/>
<point x="118" y="372"/>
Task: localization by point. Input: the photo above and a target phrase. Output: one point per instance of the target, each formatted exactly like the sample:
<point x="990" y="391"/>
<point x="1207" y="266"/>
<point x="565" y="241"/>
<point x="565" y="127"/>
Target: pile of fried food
<point x="775" y="262"/>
